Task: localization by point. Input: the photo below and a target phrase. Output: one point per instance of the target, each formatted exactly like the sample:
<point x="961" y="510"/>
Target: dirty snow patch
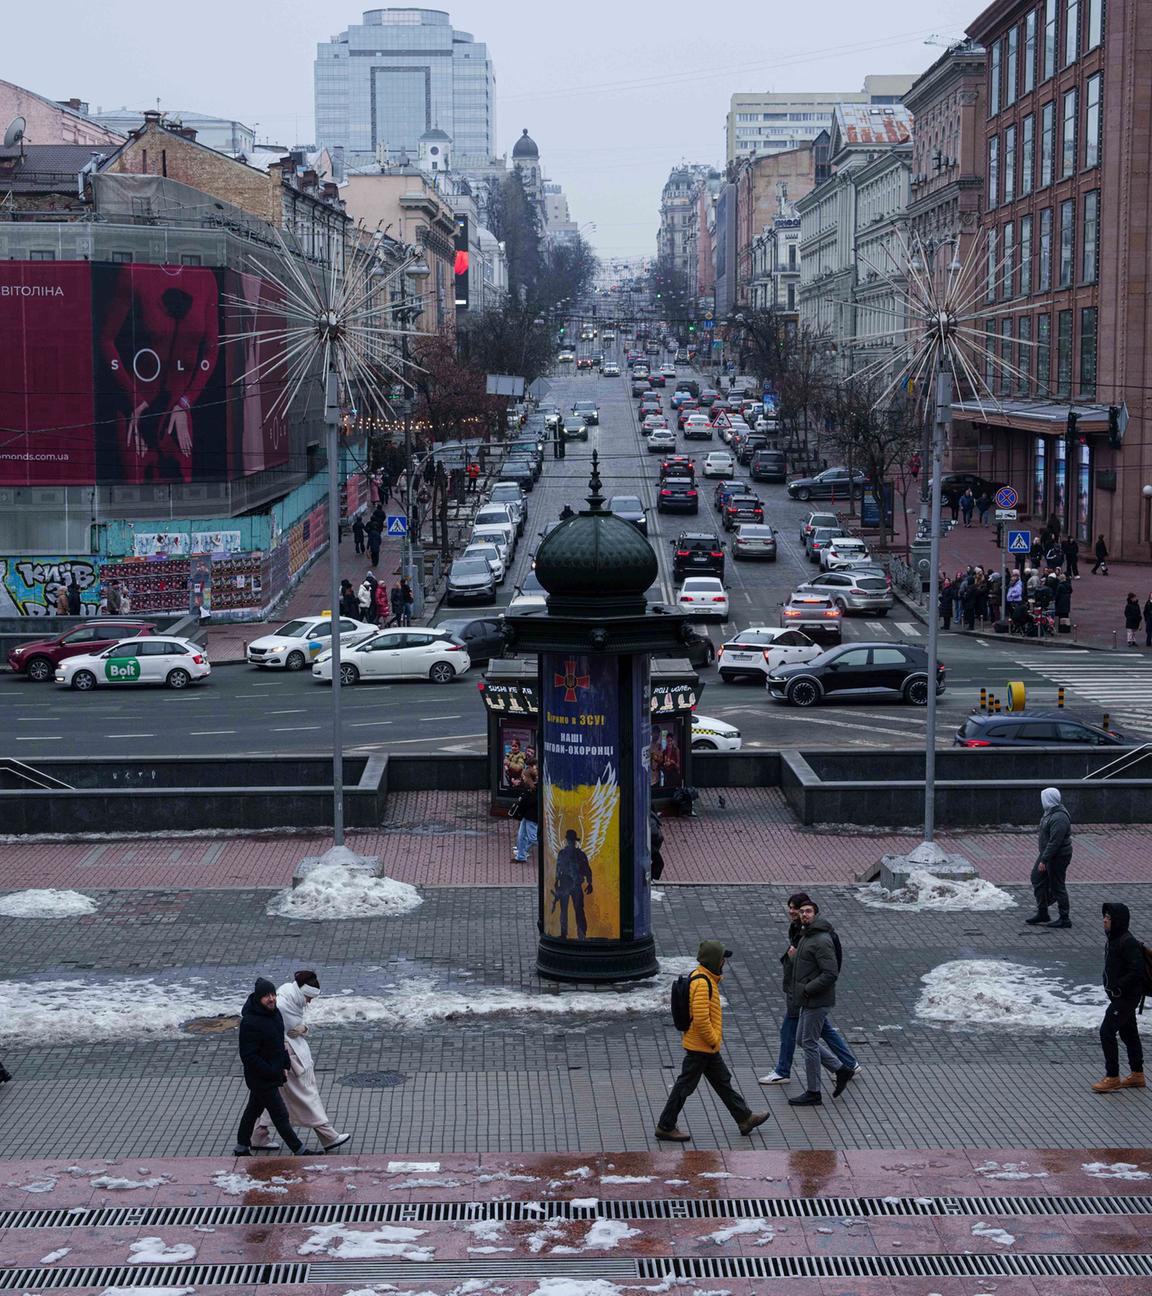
<point x="384" y="1241"/>
<point x="604" y="1235"/>
<point x="53" y="1256"/>
<point x="1114" y="1170"/>
<point x="577" y="1287"/>
<point x="36" y="1186"/>
<point x="997" y="1235"/>
<point x="334" y="891"/>
<point x="235" y="1185"/>
<point x="154" y="1250"/>
<point x="1010" y="1170"/>
<point x="413" y="1167"/>
<point x="760" y="1228"/>
<point x="924" y="891"/>
<point x="626" y="1179"/>
<point x="584" y="1203"/>
<point x="715" y="1174"/>
<point x="581" y="1172"/>
<point x="115" y="1184"/>
<point x="486" y="1230"/>
<point x="46" y="904"/>
<point x="990" y="992"/>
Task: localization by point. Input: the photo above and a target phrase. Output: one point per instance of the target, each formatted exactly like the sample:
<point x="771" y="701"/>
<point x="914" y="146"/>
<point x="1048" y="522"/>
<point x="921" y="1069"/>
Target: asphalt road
<point x="245" y="710"/>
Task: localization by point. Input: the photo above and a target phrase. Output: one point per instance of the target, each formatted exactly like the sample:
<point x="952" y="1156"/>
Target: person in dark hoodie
<point x="1124" y="979"/>
<point x="1052" y="860"/>
<point x="812" y="992"/>
<point x="702" y="1042"/>
<point x="266" y="1067"/>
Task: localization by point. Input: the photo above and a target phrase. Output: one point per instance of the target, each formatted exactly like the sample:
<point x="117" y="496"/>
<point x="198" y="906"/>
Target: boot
<point x="1133" y="1081"/>
<point x="673" y="1135"/>
<point x="809" y="1098"/>
<point x="751" y="1123"/>
<point x="1108" y="1085"/>
<point x="1062" y="921"/>
<point x="1039" y="919"/>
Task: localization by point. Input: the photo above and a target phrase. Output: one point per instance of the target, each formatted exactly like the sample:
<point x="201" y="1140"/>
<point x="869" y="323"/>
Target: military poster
<point x="580" y="820"/>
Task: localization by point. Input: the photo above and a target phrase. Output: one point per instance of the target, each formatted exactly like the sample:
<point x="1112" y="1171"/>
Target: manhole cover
<point x="373" y="1080"/>
<point x="211" y="1025"/>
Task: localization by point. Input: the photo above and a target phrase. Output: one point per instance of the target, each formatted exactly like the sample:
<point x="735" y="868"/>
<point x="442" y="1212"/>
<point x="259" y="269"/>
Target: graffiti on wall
<point x="29" y="586"/>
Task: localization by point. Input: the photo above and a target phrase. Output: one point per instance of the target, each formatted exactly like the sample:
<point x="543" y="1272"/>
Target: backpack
<point x="839" y="951"/>
<point x="681" y="1003"/>
<point x="1147" y="990"/>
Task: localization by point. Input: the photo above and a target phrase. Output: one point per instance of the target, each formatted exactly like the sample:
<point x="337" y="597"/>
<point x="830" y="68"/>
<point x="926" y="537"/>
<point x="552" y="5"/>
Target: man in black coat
<point x="266" y="1067"/>
<point x="1124" y="982"/>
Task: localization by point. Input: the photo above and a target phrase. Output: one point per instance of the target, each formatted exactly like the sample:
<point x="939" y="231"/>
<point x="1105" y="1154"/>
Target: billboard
<point x="119" y="373"/>
<point x="462" y="266"/>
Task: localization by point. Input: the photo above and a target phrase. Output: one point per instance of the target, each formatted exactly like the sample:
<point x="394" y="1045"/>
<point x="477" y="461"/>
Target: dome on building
<point x="525" y="147"/>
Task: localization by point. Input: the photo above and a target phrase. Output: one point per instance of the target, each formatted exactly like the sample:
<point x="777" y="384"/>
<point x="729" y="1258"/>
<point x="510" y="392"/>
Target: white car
<point x="498" y="536"/>
<point x="154" y="659"/>
<point x="498" y="515"/>
<point x="611" y="368"/>
<point x="710" y="734"/>
<point x="566" y="357"/>
<point x="661" y="439"/>
<point x="845" y="552"/>
<point x="669" y="371"/>
<point x="755" y="652"/>
<point x="491" y="555"/>
<point x="654" y="421"/>
<point x="768" y="425"/>
<point x="510" y="494"/>
<point x="703" y="596"/>
<point x="298" y="642"/>
<point x="412" y="653"/>
<point x="719" y="464"/>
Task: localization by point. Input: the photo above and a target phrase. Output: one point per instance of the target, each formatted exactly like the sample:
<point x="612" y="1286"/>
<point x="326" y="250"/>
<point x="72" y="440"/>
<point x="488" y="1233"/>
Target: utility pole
<point x="332" y="417"/>
<point x="943" y="415"/>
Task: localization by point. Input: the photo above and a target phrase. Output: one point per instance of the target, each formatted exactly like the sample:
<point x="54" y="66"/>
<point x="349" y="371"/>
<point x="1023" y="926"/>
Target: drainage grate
<point x="530" y="1212"/>
<point x="153" y="1276"/>
<point x="378" y="1271"/>
<point x="968" y="1265"/>
<point x="372" y="1080"/>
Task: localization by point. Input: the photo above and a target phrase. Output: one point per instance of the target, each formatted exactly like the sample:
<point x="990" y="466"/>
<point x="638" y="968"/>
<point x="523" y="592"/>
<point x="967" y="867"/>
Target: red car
<point x="38" y="660"/>
<point x="688" y="407"/>
<point x="656" y="378"/>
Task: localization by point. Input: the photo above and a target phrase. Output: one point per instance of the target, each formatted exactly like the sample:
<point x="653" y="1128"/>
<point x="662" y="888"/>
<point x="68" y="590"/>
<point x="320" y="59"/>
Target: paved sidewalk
<point x="437" y="839"/>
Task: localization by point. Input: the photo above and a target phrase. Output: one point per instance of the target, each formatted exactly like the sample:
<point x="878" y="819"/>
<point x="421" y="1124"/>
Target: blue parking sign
<point x="1019" y="542"/>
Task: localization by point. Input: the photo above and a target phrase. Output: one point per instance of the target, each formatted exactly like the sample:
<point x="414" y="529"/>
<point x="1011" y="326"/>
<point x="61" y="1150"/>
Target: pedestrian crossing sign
<point x="1019" y="542"/>
<point x="397" y="524"/>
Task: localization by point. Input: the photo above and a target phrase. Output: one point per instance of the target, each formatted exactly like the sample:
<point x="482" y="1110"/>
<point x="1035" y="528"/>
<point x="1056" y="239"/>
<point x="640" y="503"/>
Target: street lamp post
<point x="407" y="313"/>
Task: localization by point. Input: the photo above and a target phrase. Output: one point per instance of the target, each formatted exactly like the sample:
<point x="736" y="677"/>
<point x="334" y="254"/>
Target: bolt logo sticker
<point x="122" y="670"/>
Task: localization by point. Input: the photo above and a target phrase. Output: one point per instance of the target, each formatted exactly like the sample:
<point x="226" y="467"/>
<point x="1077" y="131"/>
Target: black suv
<point x="1040" y="729"/>
<point x="698" y="553"/>
<point x="769" y="465"/>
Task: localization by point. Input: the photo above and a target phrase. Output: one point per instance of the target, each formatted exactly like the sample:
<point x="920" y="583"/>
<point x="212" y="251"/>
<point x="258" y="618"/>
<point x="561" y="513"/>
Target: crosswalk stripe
<point x="877" y="627"/>
<point x="909" y="628"/>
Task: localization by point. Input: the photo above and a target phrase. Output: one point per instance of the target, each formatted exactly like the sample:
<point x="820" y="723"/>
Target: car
<point x="148" y="659"/>
<point x="656" y="378"/>
<point x="749" y="444"/>
<point x="660" y="439"/>
<point x="298" y="642"/>
<point x="816" y="614"/>
<point x="583" y="362"/>
<point x="609" y="335"/>
<point x="756" y="652"/>
<point x="769" y="426"/>
<point x="490" y="554"/>
<point x="587" y="334"/>
<point x="742" y="508"/>
<point x="649" y="407"/>
<point x="631" y="509"/>
<point x="566" y="356"/>
<point x="668" y="370"/>
<point x="725" y="490"/>
<point x="685" y="412"/>
<point x="482" y="637"/>
<point x="640" y="386"/>
<point x="678" y="465"/>
<point x="690" y="385"/>
<point x="832" y="483"/>
<point x="697" y="553"/>
<point x="401" y="653"/>
<point x="531" y="447"/>
<point x="813" y="520"/>
<point x="844" y="553"/>
<point x="703" y="596"/>
<point x="697" y="647"/>
<point x="497" y="514"/>
<point x="39" y="659"/>
<point x="597" y="361"/>
<point x="769" y="465"/>
<point x="1035" y="729"/>
<point x="677" y="495"/>
<point x="953" y="485"/>
<point x="820" y="539"/>
<point x="719" y="463"/>
<point x="679" y="396"/>
<point x="511" y="495"/>
<point x="754" y="540"/>
<point x="521" y="472"/>
<point x="574" y="429"/>
<point x="611" y="369"/>
<point x="697" y="428"/>
<point x="851" y="671"/>
<point x="470" y="579"/>
<point x="708" y="397"/>
<point x="530" y="594"/>
<point x="651" y="421"/>
<point x="866" y="590"/>
<point x="710" y="734"/>
<point x="588" y="410"/>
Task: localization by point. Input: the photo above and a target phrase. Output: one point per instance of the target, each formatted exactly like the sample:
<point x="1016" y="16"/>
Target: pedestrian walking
<point x="527" y="811"/>
<point x="1054" y="854"/>
<point x="811" y="994"/>
<point x="396" y="604"/>
<point x="75" y="607"/>
<point x="374" y="540"/>
<point x="1148" y="622"/>
<point x="266" y="1068"/>
<point x="1070" y="547"/>
<point x="301" y="1093"/>
<point x="945" y="603"/>
<point x="383" y="604"/>
<point x="1125" y="982"/>
<point x="830" y="1038"/>
<point x="967" y="504"/>
<point x="984" y="507"/>
<point x="701" y="1043"/>
<point x="409" y="599"/>
<point x="1132" y="618"/>
<point x="384" y="488"/>
<point x="358" y="534"/>
<point x="349" y="602"/>
<point x="473" y="471"/>
<point x="1101" y="563"/>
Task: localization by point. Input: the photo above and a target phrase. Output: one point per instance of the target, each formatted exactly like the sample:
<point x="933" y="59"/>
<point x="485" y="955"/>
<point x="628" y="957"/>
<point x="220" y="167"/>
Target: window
<point x="1029" y="78"/>
<point x="853" y="657"/>
<point x="1025" y="256"/>
<point x="41" y="254"/>
<point x="1043" y="355"/>
<point x="1024" y="332"/>
<point x="990" y="354"/>
<point x="994" y="79"/>
<point x="1011" y="62"/>
<point x="1092" y="121"/>
<point x="1094" y="24"/>
<point x="190" y="259"/>
<point x="1088" y="319"/>
<point x="1039" y="476"/>
<point x="993" y="171"/>
<point x="1049" y="39"/>
<point x="1044" y="271"/>
<point x="1010" y="164"/>
<point x="1064" y="355"/>
<point x="1068" y="137"/>
<point x="1090" y="238"/>
<point x="1067" y="242"/>
<point x="888" y="657"/>
<point x="1007" y="358"/>
<point x="1008" y="261"/>
<point x="992" y="262"/>
<point x="1071" y="31"/>
<point x="1027" y="153"/>
<point x="1059" y="477"/>
<point x="120" y="258"/>
<point x="1047" y="143"/>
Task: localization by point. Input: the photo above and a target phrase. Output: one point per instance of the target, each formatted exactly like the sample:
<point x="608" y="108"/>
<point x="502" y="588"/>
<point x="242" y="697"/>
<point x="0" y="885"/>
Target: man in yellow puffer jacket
<point x="702" y="1042"/>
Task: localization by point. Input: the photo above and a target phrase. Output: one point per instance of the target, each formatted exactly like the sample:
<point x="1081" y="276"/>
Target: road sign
<point x="1019" y="542"/>
<point x="1007" y="497"/>
<point x="1005" y="515"/>
<point x="397" y="524"/>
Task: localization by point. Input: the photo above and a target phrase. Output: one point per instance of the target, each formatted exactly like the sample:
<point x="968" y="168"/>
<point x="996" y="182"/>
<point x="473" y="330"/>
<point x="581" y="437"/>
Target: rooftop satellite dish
<point x="15" y="132"/>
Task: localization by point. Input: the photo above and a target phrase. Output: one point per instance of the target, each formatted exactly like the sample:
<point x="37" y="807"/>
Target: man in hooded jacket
<point x="266" y="1067"/>
<point x="1053" y="857"/>
<point x="811" y="993"/>
<point x="1124" y="978"/>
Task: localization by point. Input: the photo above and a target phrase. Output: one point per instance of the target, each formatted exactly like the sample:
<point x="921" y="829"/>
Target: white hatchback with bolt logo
<point x="158" y="659"/>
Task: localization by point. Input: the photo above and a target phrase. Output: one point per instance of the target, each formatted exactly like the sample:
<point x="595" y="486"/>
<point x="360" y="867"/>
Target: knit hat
<point x="264" y="987"/>
<point x="712" y="954"/>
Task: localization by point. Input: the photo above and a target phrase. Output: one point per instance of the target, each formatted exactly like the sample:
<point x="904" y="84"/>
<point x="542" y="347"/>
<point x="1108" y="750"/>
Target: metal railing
<point x="1121" y="764"/>
<point x="37" y="778"/>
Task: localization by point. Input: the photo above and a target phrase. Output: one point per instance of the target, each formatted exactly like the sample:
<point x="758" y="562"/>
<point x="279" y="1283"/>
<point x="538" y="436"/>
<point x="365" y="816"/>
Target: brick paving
<point x="448" y="839"/>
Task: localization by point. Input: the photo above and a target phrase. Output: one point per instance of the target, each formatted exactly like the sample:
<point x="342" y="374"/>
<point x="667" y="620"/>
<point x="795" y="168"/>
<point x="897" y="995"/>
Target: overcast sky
<point x="614" y="92"/>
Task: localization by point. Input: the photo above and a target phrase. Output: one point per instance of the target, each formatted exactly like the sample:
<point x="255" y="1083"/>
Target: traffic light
<point x="691" y="327"/>
<point x="562" y="330"/>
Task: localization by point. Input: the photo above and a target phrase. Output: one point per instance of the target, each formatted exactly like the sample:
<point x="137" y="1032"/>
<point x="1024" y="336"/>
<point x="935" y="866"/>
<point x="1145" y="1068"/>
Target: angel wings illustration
<point x="590" y="816"/>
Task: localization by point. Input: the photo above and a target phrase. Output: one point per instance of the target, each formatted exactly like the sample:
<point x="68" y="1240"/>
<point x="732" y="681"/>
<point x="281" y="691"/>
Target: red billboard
<point x="120" y="374"/>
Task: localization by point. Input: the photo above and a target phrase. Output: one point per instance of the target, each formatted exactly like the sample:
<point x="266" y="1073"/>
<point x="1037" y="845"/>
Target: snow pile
<point x="53" y="1256"/>
<point x="604" y="1235"/>
<point x="236" y="1185"/>
<point x="581" y="1172"/>
<point x="153" y="1250"/>
<point x="46" y="904"/>
<point x="626" y="1179"/>
<point x="1010" y="1170"/>
<point x="1114" y="1170"/>
<point x="550" y="1231"/>
<point x="486" y="1230"/>
<point x="997" y="1235"/>
<point x="384" y="1241"/>
<point x="502" y="1176"/>
<point x="36" y="1186"/>
<point x="760" y="1228"/>
<point x="925" y="891"/>
<point x="413" y="1167"/>
<point x="988" y="992"/>
<point x="577" y="1287"/>
<point x="333" y="890"/>
<point x="115" y="1184"/>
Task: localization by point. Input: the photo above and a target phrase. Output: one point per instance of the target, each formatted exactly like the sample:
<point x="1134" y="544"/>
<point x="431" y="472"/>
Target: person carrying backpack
<point x="1125" y="981"/>
<point x="697" y="1011"/>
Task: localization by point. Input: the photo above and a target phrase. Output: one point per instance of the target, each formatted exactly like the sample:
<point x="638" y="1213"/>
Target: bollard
<point x="996" y="704"/>
<point x="1106" y="721"/>
<point x="1113" y="640"/>
<point x="984" y="699"/>
<point x="1060" y="696"/>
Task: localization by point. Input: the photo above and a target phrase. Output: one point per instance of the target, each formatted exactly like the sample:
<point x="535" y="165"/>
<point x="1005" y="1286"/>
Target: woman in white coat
<point x="301" y="1093"/>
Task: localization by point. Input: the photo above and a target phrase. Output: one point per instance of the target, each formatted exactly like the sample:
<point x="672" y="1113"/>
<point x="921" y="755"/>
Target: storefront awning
<point x="1036" y="417"/>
